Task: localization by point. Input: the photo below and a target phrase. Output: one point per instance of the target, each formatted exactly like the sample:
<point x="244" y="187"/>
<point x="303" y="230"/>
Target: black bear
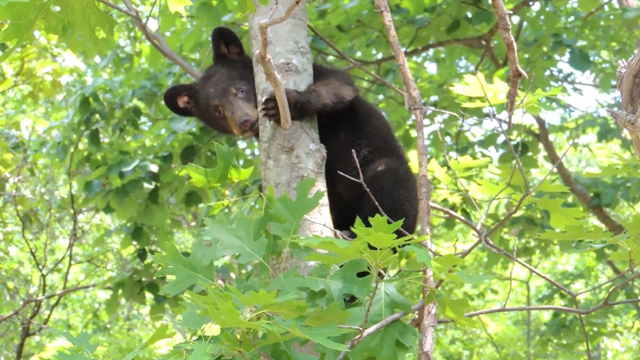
<point x="224" y="98"/>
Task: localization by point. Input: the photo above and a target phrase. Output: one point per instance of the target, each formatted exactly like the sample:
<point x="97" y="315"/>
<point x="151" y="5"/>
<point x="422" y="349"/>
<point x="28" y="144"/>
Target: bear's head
<point x="224" y="97"/>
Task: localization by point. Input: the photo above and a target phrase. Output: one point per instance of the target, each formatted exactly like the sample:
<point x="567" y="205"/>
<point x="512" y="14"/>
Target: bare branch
<point x="513" y="266"/>
<point x="353" y="62"/>
<point x="58" y="294"/>
<point x="564" y="309"/>
<point x="263" y="58"/>
<point x="368" y="191"/>
<point x="154" y="39"/>
<point x="515" y="71"/>
<point x="596" y="9"/>
<point x="475" y="42"/>
<point x="577" y="190"/>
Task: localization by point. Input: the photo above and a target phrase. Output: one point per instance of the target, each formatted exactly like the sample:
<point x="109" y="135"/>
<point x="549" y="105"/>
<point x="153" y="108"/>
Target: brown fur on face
<point x="236" y="109"/>
<point x="224" y="97"/>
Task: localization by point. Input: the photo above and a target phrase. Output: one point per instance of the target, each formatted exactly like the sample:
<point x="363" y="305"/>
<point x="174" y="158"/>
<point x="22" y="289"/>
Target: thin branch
<point x="368" y="310"/>
<point x="621" y="274"/>
<point x="472" y="42"/>
<point x="353" y="62"/>
<point x="263" y="58"/>
<point x="577" y="190"/>
<point x="515" y="71"/>
<point x="58" y="294"/>
<point x="368" y="191"/>
<point x="154" y="39"/>
<point x="596" y="9"/>
<point x="491" y="339"/>
<point x="513" y="266"/>
<point x="563" y="309"/>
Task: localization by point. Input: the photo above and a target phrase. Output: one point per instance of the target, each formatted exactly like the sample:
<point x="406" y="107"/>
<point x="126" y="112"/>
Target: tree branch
<point x="154" y="39"/>
<point x="472" y="42"/>
<point x="45" y="297"/>
<point x="577" y="190"/>
<point x="564" y="309"/>
<point x="515" y="71"/>
<point x="353" y="62"/>
<point x="269" y="69"/>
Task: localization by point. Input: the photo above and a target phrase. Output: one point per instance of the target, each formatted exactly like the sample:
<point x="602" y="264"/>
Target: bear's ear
<point x="226" y="44"/>
<point x="181" y="99"/>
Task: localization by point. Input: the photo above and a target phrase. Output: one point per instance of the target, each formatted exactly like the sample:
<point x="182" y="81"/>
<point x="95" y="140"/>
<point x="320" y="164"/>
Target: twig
<point x="379" y="325"/>
<point x="45" y="297"/>
<point x="515" y="71"/>
<point x="263" y="58"/>
<point x="577" y="190"/>
<point x="596" y="9"/>
<point x="368" y="191"/>
<point x="337" y="232"/>
<point x="564" y="309"/>
<point x="621" y="274"/>
<point x="472" y="42"/>
<point x="154" y="39"/>
<point x="155" y="2"/>
<point x="495" y="248"/>
<point x="583" y="328"/>
<point x="513" y="266"/>
<point x="353" y="62"/>
<point x="388" y="320"/>
<point x="491" y="339"/>
<point x="368" y="310"/>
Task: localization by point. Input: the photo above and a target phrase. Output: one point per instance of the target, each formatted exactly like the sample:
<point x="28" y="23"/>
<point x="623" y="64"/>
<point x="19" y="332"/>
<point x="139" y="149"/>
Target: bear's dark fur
<point x="224" y="98"/>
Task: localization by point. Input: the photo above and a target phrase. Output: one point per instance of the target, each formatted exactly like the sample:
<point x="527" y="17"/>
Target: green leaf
<point x="453" y="27"/>
<point x="188" y="271"/>
<point x="76" y="23"/>
<point x="290" y="212"/>
<point x="178" y="6"/>
<point x="188" y="154"/>
<point x="415" y="7"/>
<point x="5" y="2"/>
<point x="241" y="238"/>
<point x="161" y="333"/>
<point x="579" y="60"/>
<point x="321" y="335"/>
<point x="23" y="20"/>
<point x="94" y="138"/>
<point x="454" y="309"/>
<point x="192" y="198"/>
<point x="587" y="5"/>
<point x="467" y="161"/>
<point x="393" y="341"/>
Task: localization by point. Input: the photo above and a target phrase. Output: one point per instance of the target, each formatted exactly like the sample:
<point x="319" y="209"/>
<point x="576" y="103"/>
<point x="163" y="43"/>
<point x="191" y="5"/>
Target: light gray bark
<point x="290" y="156"/>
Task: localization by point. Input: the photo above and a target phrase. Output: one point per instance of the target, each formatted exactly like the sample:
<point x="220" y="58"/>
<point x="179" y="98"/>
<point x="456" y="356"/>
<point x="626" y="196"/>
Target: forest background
<point x="128" y="232"/>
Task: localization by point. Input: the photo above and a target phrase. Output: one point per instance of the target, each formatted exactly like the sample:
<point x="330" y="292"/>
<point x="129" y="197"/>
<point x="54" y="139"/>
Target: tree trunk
<point x="289" y="156"/>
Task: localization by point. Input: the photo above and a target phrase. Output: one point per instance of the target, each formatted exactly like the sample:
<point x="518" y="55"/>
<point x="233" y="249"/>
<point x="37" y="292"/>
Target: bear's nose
<point x="245" y="124"/>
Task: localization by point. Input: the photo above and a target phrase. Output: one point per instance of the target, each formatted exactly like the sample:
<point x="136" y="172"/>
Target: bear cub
<point x="224" y="98"/>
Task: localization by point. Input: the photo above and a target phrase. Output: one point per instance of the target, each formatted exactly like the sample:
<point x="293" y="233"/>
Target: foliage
<point x="130" y="233"/>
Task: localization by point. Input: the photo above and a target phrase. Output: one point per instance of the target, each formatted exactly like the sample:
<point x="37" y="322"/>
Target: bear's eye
<point x="241" y="89"/>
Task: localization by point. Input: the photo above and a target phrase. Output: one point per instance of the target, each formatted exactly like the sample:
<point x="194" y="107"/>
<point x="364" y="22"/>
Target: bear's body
<point x="224" y="99"/>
